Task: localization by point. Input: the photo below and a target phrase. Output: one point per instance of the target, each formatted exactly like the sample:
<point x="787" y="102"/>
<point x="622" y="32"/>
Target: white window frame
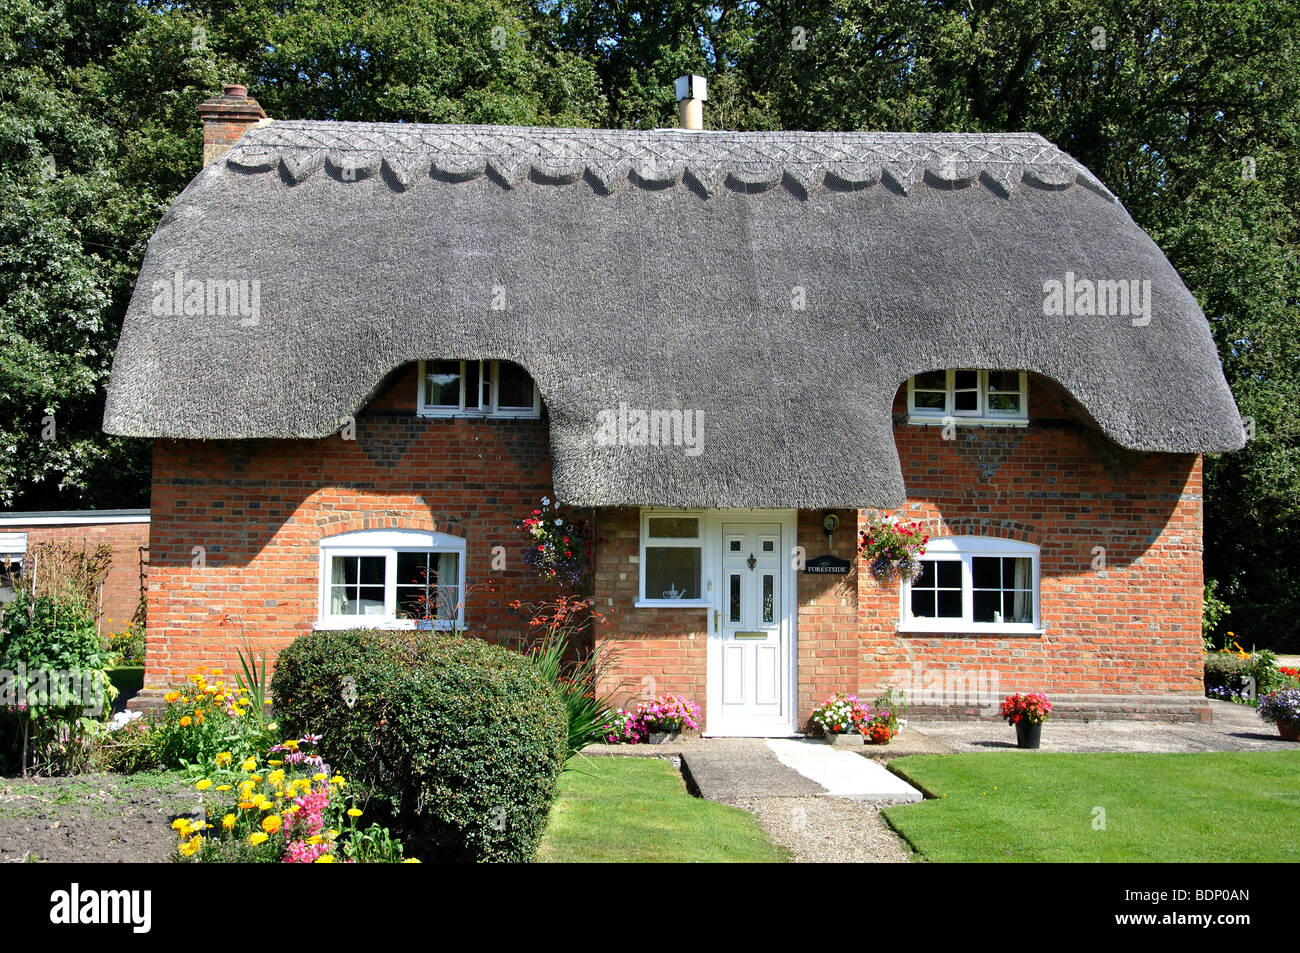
<point x="697" y="542"/>
<point x="982" y="415"/>
<point x="387" y="543"/>
<point x="963" y="549"/>
<point x="493" y="368"/>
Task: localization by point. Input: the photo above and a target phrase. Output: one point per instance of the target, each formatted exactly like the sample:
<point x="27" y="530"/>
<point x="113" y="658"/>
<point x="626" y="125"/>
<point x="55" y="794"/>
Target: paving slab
<point x="1234" y="728"/>
<point x="725" y="769"/>
<point x="842" y="773"/>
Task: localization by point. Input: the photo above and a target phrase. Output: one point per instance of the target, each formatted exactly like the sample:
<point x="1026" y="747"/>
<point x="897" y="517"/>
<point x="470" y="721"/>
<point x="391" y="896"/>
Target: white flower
<point x="546" y="501"/>
<point x="559" y="522"/>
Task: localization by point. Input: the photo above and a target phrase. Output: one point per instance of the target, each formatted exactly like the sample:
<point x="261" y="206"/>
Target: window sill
<point x="969" y="421"/>
<point x="360" y="622"/>
<point x="971" y="630"/>
<point x="479" y="415"/>
<point x="672" y="604"/>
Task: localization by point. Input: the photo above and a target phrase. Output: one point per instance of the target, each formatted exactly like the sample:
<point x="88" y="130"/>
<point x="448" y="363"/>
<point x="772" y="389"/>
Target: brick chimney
<point x="226" y="118"/>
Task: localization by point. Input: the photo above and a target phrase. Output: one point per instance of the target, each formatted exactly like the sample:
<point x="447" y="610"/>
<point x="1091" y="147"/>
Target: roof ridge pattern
<point x="707" y="161"/>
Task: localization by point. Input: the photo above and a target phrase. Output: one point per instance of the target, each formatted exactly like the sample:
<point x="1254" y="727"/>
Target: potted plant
<point x="838" y="718"/>
<point x="555" y="544"/>
<point x="1027" y="712"/>
<point x="883" y="720"/>
<point x="892" y="549"/>
<point x="664" y="719"/>
<point x="1283" y="709"/>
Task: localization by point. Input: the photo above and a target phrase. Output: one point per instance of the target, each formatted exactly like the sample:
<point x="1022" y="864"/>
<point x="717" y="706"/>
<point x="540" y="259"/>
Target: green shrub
<point x="458" y="742"/>
<point x="56" y="689"/>
<point x="1232" y="672"/>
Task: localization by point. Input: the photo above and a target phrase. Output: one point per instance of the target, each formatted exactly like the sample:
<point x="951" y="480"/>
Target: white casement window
<point x="973" y="584"/>
<point x="969" y="396"/>
<point x="477" y="388"/>
<point x="672" y="558"/>
<point x="392" y="579"/>
<point x="13" y="549"/>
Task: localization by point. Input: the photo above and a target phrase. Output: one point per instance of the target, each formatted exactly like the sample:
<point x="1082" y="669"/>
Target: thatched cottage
<point x="366" y="351"/>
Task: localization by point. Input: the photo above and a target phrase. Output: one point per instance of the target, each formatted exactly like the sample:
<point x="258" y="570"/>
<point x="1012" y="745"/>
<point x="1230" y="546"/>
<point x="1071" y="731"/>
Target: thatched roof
<point x="660" y="270"/>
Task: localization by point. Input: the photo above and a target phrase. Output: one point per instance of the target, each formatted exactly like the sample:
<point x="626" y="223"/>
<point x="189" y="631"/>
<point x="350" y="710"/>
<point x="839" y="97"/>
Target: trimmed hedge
<point x="458" y="742"/>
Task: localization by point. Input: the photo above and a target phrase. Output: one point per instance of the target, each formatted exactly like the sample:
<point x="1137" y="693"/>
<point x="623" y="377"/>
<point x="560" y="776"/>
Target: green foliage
<point x="201" y="720"/>
<point x="128" y="750"/>
<point x="458" y="741"/>
<point x="1241" y="674"/>
<point x="55" y="687"/>
<point x="1213" y="609"/>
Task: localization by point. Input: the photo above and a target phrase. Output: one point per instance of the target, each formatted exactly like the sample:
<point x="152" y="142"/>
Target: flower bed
<point x="291" y="809"/>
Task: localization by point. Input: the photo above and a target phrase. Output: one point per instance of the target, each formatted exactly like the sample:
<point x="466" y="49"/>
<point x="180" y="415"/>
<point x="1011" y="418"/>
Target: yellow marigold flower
<point x="258" y="838"/>
<point x="247" y="805"/>
<point x="353" y="812"/>
<point x="291" y="744"/>
<point x="257" y="777"/>
<point x="331" y="834"/>
<point x="185" y="722"/>
<point x="181" y="824"/>
<point x="228" y="822"/>
<point x="171" y="697"/>
<point x="318" y="777"/>
<point x="324" y="859"/>
<point x="411" y="860"/>
<point x="224" y="758"/>
<point x="315" y="839"/>
<point x="198" y="718"/>
<point x="223" y="787"/>
<point x="266" y="701"/>
<point x="276" y="777"/>
<point x="249" y="765"/>
<point x="191" y="847"/>
<point x="246" y="788"/>
<point x="271" y="823"/>
<point x="204" y="784"/>
<point x="217" y="673"/>
<point x="272" y="761"/>
<point x="338" y="779"/>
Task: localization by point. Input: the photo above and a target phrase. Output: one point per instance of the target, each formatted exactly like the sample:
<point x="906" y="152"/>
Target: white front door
<point x="753" y="665"/>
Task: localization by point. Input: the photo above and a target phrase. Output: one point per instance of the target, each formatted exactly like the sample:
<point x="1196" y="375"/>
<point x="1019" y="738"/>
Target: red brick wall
<point x="260" y="507"/>
<point x="1133" y="628"/>
<point x="123" y="586"/>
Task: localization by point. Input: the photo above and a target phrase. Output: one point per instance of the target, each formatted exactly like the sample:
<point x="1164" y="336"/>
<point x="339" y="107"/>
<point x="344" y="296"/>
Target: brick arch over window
<point x="938" y="528"/>
<point x="405" y="519"/>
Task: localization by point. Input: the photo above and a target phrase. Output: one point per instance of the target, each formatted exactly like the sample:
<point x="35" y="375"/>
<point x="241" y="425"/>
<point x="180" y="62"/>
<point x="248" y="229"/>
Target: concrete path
<point x="842" y="773"/>
<point x="821" y="804"/>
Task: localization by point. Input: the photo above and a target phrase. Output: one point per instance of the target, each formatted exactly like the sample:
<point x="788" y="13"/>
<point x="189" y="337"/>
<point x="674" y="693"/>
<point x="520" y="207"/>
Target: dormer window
<point x="477" y="388"/>
<point x="968" y="396"/>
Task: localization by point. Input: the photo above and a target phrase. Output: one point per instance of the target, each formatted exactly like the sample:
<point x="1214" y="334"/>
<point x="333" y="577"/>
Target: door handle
<point x="717" y="621"/>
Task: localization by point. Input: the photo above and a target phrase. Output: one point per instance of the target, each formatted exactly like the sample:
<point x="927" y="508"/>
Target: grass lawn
<point x="638" y="810"/>
<point x="1035" y="806"/>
